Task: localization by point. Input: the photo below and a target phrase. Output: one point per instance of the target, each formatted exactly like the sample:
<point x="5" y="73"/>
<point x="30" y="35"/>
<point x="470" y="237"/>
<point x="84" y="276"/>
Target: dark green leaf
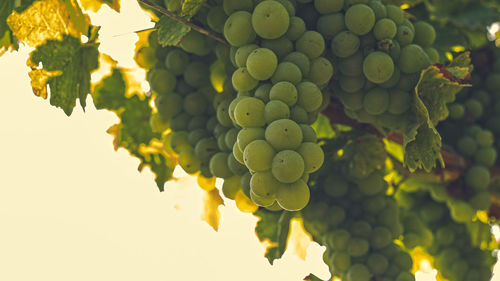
<point x="75" y="61"/>
<point x="170" y="32"/>
<point x="191" y="7"/>
<point x="273" y="226"/>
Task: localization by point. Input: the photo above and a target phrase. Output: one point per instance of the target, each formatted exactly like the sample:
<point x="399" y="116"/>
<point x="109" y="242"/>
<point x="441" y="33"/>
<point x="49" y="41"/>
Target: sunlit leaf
<point x="211" y="214"/>
<point x="191" y="7"/>
<point x="95" y="5"/>
<point x="39" y="80"/>
<point x="299" y="238"/>
<point x="244" y="204"/>
<point x="170" y="32"/>
<point x="323" y="128"/>
<point x="206" y="184"/>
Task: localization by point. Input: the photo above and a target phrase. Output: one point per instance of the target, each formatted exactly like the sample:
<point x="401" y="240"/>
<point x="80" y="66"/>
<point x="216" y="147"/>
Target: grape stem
<point x="183" y="21"/>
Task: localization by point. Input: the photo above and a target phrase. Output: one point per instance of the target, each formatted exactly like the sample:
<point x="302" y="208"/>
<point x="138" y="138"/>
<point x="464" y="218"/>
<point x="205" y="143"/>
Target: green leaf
<point x="323" y="127"/>
<point x="312" y="277"/>
<point x="75" y="62"/>
<point x="436" y="88"/>
<point x="275" y="227"/>
<point x="134" y="132"/>
<point x="191" y="7"/>
<point x="366" y="154"/>
<point x="170" y="31"/>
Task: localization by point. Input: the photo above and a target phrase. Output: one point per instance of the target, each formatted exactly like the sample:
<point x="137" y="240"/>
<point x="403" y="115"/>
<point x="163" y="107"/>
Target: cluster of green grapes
<point x="277" y="69"/>
<point x="428" y="224"/>
<point x="379" y="54"/>
<point x="355" y="219"/>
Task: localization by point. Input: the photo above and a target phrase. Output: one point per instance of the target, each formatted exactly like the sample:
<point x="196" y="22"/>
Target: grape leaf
<point x="323" y="127"/>
<point x="366" y="154"/>
<point x="7" y="39"/>
<point x="134" y="132"/>
<point x="273" y="227"/>
<point x="312" y="277"/>
<point x="437" y="86"/>
<point x="74" y="62"/>
<point x="191" y="7"/>
<point x="211" y="213"/>
<point x="95" y="5"/>
<point x="170" y="31"/>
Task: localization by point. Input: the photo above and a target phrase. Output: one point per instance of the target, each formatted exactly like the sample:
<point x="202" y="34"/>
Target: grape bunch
<point x="278" y="73"/>
<point x="354" y="218"/>
<point x="430" y="225"/>
<point x="379" y="54"/>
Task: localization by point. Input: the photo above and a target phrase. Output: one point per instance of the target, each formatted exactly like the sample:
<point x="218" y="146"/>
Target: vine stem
<point x="183" y="21"/>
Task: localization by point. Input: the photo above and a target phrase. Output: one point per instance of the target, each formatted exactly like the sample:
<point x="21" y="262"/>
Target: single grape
<point x="235" y="166"/>
<point x="353" y="101"/>
<point x="359" y="19"/>
<point x="330" y="25"/>
<point x="146" y="57"/>
<point x="287" y="166"/>
<point x="287" y="71"/>
<point x="231" y="186"/>
<point x="486" y="156"/>
<point x="205" y="148"/>
<point x="395" y="13"/>
<point x="177" y="61"/>
<point x="385" y="29"/>
<point x="311" y="43"/>
<point x="376" y="101"/>
<point x="378" y="9"/>
<point x="478" y="177"/>
<point x="341" y="261"/>
<point x="261" y="201"/>
<point x="299" y="114"/>
<point x="294" y="196"/>
<point x="296" y="28"/>
<point x="258" y="156"/>
<point x="216" y="18"/>
<point x="345" y="44"/>
<point x="357" y="247"/>
<point x="309" y="96"/>
<point x="241" y="55"/>
<point x="168" y="105"/>
<point x="413" y="59"/>
<point x="262" y="63"/>
<point x="238" y="154"/>
<point x="195" y="43"/>
<point x="352" y="65"/>
<point x="162" y="81"/>
<point x="308" y="133"/>
<point x="284" y="134"/>
<point x="247" y="135"/>
<point x="231" y="6"/>
<point x="300" y="60"/>
<point x="485" y="138"/>
<point x="218" y="165"/>
<point x="281" y="46"/>
<point x="275" y="110"/>
<point x="313" y="156"/>
<point x="399" y="101"/>
<point x="264" y="184"/>
<point x="377" y="263"/>
<point x="424" y="34"/>
<point x="378" y="67"/>
<point x="196" y="74"/>
<point x="270" y="19"/>
<point x="243" y="81"/>
<point x="328" y="6"/>
<point x="238" y="29"/>
<point x="352" y="84"/>
<point x="189" y="161"/>
<point x="321" y="71"/>
<point x="405" y="35"/>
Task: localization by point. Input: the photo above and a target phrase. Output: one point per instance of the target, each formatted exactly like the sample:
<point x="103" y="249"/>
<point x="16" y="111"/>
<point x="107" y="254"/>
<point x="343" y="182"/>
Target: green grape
<point x="413" y="59"/>
<point x="300" y="60"/>
<point x="243" y="81"/>
<point x="263" y="184"/>
<point x="283" y="134"/>
<point x="197" y="122"/>
<point x="461" y="211"/>
<point x="284" y="91"/>
<point x="360" y="229"/>
<point x="380" y="237"/>
<point x="216" y="18"/>
<point x="146" y="57"/>
<point x="231" y="137"/>
<point x="179" y="141"/>
<point x="249" y="112"/>
<point x="352" y="65"/>
<point x="289" y="6"/>
<point x="231" y="186"/>
<point x="281" y="46"/>
<point x="330" y="25"/>
<point x="153" y="39"/>
<point x="485" y="138"/>
<point x="467" y="146"/>
<point x="262" y="63"/>
<point x="481" y="201"/>
<point x="395" y="13"/>
<point x="378" y="67"/>
<point x="197" y="74"/>
<point x="261" y="201"/>
<point x="177" y="61"/>
<point x="218" y="165"/>
<point x="262" y="92"/>
<point x="360" y="19"/>
<point x="405" y="276"/>
<point x="238" y="29"/>
<point x="309" y="96"/>
<point x="395" y="50"/>
<point x="205" y="148"/>
<point x="287" y="71"/>
<point x="445" y="235"/>
<point x="478" y="177"/>
<point x="376" y="101"/>
<point x="486" y="156"/>
<point x="258" y="156"/>
<point x="352" y="84"/>
<point x="403" y="261"/>
<point x="196" y="135"/>
<point x="378" y="9"/>
<point x="432" y="54"/>
<point x="294" y="196"/>
<point x="296" y="28"/>
<point x="162" y="81"/>
<point x="219" y="130"/>
<point x="287" y="166"/>
<point x="173" y="5"/>
<point x="385" y="29"/>
<point x="245" y="183"/>
<point x="223" y="114"/>
<point x="345" y="44"/>
<point x="238" y="154"/>
<point x="195" y="43"/>
<point x="353" y="101"/>
<point x="189" y="161"/>
<point x="180" y="122"/>
<point x="377" y="263"/>
<point x="399" y="101"/>
<point x="321" y="71"/>
<point x="457" y="111"/>
<point x="275" y="110"/>
<point x="308" y="133"/>
<point x="393" y="81"/>
<point x="274" y="207"/>
<point x="231" y="6"/>
<point x="270" y="19"/>
<point x="221" y="143"/>
<point x="328" y="6"/>
<point x="493" y="81"/>
<point x="405" y="35"/>
<point x="299" y="114"/>
<point x="341" y="261"/>
<point x="372" y="184"/>
<point x="311" y="43"/>
<point x="195" y="104"/>
<point x="232" y="106"/>
<point x="168" y="105"/>
<point x="234" y="166"/>
<point x="247" y="135"/>
<point x="313" y="156"/>
<point x="357" y="247"/>
<point x="340" y="240"/>
<point x="242" y="53"/>
<point x="424" y="34"/>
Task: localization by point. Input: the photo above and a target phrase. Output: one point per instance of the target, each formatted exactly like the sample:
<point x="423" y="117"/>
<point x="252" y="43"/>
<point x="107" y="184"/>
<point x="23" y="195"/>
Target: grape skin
<point x="270" y="19"/>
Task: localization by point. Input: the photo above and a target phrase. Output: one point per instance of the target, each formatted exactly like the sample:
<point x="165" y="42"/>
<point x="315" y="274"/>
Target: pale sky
<point x="72" y="208"/>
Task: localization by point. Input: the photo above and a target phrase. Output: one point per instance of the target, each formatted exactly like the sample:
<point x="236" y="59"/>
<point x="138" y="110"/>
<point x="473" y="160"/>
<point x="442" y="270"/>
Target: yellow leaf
<point x="95" y="5"/>
<point x="114" y="131"/>
<point x="106" y="66"/>
<point x="133" y="86"/>
<point x="299" y="240"/>
<point x="245" y="204"/>
<point x="211" y="212"/>
<point x="207" y="184"/>
<point x="44" y="19"/>
<point x="39" y="78"/>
